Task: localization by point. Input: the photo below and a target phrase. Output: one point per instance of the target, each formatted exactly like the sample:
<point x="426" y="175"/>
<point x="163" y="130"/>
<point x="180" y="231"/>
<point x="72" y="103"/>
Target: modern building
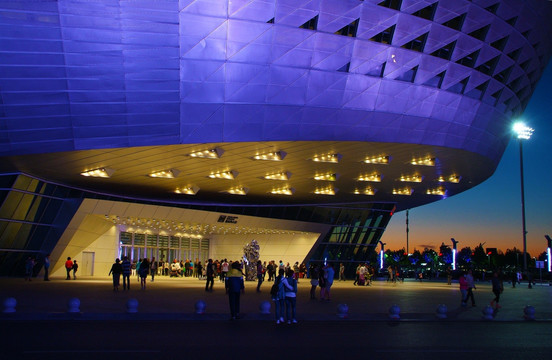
<point x="185" y="129"/>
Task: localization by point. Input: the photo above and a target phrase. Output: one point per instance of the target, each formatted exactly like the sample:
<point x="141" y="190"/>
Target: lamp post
<point x="454" y="251"/>
<point x="523" y="133"/>
<point x="382" y="251"/>
<point x="407" y="230"/>
<point x="549" y="253"/>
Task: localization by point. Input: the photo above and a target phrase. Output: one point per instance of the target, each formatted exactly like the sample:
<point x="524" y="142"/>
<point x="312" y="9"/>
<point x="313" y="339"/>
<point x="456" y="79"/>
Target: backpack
<point x="275" y="288"/>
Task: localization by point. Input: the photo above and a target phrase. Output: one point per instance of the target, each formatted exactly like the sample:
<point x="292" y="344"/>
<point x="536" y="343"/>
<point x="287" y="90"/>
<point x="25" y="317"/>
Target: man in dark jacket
<point x="234" y="285"/>
<point x="210" y="273"/>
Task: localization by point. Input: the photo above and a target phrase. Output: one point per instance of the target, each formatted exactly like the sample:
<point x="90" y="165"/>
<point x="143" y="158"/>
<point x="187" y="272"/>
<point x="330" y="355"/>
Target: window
<point x="392" y="4"/>
<point x="377" y="71"/>
<point x="500" y="44"/>
<point x="481" y="33"/>
<point x="445" y="52"/>
<point x="436" y="81"/>
<point x="409" y="75"/>
<point x="503" y="75"/>
<point x="456" y="23"/>
<point x="385" y="36"/>
<point x="349" y="30"/>
<point x="416" y="44"/>
<point x="427" y="13"/>
<point x="459" y="87"/>
<point x="488" y="67"/>
<point x="477" y="92"/>
<point x="492" y="8"/>
<point x="514" y="55"/>
<point x="312" y="24"/>
<point x="469" y="60"/>
<point x="344" y="68"/>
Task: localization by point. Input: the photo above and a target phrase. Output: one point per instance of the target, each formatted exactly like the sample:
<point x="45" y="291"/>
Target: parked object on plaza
<point x="9" y="305"/>
<point x="200" y="306"/>
<point x="441" y="311"/>
<point x="132" y="306"/>
<point x="394" y="312"/>
<point x="529" y="312"/>
<point x="73" y="306"/>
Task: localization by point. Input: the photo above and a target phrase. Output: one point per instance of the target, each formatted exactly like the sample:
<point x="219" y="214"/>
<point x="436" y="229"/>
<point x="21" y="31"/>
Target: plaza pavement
<point x="174" y="299"/>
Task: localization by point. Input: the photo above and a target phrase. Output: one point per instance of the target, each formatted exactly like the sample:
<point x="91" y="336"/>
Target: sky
<point x="490" y="213"/>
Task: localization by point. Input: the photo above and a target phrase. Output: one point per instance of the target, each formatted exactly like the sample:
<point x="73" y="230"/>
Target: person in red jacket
<point x="68" y="268"/>
<point x="463" y="288"/>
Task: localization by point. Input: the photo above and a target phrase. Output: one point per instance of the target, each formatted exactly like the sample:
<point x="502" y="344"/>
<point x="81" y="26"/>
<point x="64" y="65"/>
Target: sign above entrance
<point x="228" y="219"/>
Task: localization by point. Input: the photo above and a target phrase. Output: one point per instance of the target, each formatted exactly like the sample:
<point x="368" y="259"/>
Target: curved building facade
<point x="334" y="112"/>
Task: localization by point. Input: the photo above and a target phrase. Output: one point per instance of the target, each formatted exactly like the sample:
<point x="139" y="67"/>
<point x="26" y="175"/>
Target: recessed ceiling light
<point x="326" y="177"/>
<point x="427" y="161"/>
<point x="215" y="153"/>
<point x="411" y="178"/>
<point x="165" y="174"/>
<point x="326" y="191"/>
<point x="278" y="176"/>
<point x="437" y="191"/>
<point x="228" y="175"/>
<point x="366" y="191"/>
<point x="381" y="159"/>
<point x="272" y="156"/>
<point x="370" y="177"/>
<point x="99" y="172"/>
<point x="403" y="191"/>
<point x="329" y="158"/>
<point x="455" y="179"/>
<point x="187" y="190"/>
<point x="282" y="191"/>
<point x="237" y="191"/>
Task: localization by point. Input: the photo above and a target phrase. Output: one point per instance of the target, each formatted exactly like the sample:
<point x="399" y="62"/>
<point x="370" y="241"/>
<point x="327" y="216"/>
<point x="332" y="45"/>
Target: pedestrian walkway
<point x="175" y="298"/>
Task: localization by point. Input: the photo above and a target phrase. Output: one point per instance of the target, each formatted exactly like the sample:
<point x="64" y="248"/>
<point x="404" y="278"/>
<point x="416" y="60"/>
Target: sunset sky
<point x="491" y="212"/>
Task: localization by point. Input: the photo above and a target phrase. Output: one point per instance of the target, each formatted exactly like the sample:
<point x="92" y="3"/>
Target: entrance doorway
<point x="87" y="265"/>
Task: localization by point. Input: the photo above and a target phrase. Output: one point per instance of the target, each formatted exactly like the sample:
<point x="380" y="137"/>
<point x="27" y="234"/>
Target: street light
<point x="523" y="133"/>
<point x="454" y="242"/>
<point x="381" y="253"/>
<point x="549" y="253"/>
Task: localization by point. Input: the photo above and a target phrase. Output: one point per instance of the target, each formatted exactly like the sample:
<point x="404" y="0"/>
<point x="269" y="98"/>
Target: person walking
<point x="143" y="271"/>
<point x="75" y="268"/>
<point x="463" y="288"/>
<point x="290" y="288"/>
<point x="497" y="290"/>
<point x="234" y="286"/>
<point x="210" y="274"/>
<point x="138" y="269"/>
<point x="68" y="267"/>
<point x="116" y="270"/>
<point x="329" y="274"/>
<point x="127" y="269"/>
<point x="153" y="268"/>
<point x="314" y="273"/>
<point x="471" y="287"/>
<point x="259" y="275"/>
<point x="341" y="272"/>
<point x="46" y="267"/>
<point x="29" y="265"/>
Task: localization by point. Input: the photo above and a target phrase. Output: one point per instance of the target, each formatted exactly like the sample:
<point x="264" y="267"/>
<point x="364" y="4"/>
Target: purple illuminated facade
<point x="410" y="80"/>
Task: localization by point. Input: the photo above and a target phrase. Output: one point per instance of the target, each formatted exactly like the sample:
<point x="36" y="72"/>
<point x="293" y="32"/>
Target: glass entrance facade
<point x="162" y="247"/>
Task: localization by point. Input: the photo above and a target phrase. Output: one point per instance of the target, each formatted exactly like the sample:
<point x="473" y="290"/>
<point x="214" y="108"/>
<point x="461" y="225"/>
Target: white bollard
<point x="200" y="306"/>
<point x="441" y="311"/>
<point x="73" y="305"/>
<point x="342" y="310"/>
<point x="9" y="305"/>
<point x="264" y="308"/>
<point x="488" y="312"/>
<point x="529" y="312"/>
<point x="394" y="312"/>
<point x="132" y="306"/>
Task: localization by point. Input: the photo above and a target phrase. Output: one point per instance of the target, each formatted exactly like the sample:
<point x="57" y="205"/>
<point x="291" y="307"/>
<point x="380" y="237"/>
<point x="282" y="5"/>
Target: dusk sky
<point x="490" y="213"/>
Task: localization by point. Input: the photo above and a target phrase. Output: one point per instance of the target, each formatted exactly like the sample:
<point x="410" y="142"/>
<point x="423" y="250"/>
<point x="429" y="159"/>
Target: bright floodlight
<point x="523" y="131"/>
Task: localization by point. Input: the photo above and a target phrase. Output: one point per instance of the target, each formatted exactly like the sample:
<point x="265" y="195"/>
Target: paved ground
<point x="167" y="328"/>
<point x="174" y="298"/>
